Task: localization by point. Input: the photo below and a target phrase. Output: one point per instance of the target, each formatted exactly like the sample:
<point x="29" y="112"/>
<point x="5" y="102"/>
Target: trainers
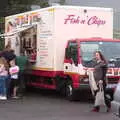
<point x="95" y="109"/>
<point x="3" y="98"/>
<point x="108" y="109"/>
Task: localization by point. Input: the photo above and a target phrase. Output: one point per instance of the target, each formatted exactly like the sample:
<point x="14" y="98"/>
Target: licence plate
<point x="111" y="85"/>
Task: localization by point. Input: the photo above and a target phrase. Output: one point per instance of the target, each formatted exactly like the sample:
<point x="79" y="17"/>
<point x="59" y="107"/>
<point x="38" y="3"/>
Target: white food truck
<point x="49" y="35"/>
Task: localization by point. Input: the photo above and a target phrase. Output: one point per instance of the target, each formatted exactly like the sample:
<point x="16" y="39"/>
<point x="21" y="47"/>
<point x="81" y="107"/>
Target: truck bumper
<point x="86" y="87"/>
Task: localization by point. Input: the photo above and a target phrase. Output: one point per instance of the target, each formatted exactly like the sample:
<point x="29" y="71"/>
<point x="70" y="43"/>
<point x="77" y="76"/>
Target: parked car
<point x="115" y="104"/>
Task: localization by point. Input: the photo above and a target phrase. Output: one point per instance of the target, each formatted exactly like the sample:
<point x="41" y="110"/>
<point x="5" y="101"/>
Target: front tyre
<point x="70" y="92"/>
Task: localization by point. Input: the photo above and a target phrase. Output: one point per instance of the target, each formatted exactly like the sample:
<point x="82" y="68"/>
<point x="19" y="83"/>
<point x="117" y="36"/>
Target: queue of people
<point x="11" y="74"/>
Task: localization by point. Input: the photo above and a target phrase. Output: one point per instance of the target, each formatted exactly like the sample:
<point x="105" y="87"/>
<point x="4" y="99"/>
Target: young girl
<point x="14" y="70"/>
<point x="3" y="79"/>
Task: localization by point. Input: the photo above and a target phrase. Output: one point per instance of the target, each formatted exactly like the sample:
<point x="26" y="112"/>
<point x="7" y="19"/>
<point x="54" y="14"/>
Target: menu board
<point x="45" y="39"/>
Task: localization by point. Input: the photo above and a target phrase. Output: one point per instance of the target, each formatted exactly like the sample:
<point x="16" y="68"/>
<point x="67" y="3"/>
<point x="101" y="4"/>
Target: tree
<point x="116" y="34"/>
<point x="1" y="31"/>
<point x="41" y="3"/>
<point x="62" y="2"/>
<point x="19" y="6"/>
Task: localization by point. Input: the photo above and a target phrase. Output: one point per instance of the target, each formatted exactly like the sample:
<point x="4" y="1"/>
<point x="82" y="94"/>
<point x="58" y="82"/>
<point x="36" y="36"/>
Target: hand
<point x="100" y="82"/>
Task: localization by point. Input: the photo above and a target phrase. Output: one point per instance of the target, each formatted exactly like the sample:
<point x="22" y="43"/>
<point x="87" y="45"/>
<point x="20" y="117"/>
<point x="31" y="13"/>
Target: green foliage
<point x="116" y="34"/>
<point x="1" y="19"/>
<point x="1" y="43"/>
<point x="1" y="31"/>
<point x="19" y="6"/>
<point x="62" y="2"/>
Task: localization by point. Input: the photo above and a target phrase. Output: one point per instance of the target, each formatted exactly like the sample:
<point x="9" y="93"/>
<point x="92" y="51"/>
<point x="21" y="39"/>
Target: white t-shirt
<point x="14" y="72"/>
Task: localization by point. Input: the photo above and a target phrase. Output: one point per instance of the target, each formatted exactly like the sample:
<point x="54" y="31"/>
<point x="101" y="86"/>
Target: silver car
<point x="115" y="104"/>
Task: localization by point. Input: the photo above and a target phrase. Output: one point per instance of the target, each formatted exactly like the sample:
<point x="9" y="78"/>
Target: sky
<point x="115" y="4"/>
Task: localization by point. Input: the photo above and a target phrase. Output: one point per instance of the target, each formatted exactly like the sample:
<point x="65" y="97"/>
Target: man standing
<point x="21" y="61"/>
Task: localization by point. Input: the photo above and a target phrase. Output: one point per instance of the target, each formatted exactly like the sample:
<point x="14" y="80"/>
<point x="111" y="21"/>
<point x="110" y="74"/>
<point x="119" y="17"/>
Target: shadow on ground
<point x="81" y="96"/>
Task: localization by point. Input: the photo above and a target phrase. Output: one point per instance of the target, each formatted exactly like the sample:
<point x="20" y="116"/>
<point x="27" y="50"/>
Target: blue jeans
<point x="3" y="87"/>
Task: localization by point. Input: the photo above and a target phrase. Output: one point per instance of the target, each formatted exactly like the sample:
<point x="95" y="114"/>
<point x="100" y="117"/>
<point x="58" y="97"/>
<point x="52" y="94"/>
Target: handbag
<point x="99" y="98"/>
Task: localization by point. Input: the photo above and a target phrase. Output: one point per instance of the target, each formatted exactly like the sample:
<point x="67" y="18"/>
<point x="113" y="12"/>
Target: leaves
<point x="19" y="6"/>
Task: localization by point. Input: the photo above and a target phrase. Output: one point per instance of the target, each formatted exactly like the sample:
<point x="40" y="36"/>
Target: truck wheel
<point x="70" y="93"/>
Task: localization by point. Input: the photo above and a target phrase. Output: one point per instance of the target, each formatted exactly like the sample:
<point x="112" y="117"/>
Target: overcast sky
<point x="98" y="3"/>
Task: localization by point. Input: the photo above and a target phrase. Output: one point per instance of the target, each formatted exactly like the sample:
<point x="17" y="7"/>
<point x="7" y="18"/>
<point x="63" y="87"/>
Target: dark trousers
<point x="107" y="100"/>
<point x="21" y="83"/>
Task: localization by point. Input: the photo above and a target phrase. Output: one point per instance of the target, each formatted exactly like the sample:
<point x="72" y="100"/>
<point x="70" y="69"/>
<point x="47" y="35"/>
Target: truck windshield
<point x="111" y="51"/>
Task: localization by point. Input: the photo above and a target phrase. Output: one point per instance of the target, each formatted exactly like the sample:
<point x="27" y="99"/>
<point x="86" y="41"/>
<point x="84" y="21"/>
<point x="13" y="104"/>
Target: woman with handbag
<point x="99" y="73"/>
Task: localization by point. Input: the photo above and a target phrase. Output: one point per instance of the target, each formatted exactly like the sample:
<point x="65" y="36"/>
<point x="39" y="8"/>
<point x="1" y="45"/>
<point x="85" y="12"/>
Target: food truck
<point x="59" y="42"/>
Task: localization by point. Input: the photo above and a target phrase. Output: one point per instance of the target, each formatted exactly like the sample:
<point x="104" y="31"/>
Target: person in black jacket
<point x="8" y="53"/>
<point x="100" y="69"/>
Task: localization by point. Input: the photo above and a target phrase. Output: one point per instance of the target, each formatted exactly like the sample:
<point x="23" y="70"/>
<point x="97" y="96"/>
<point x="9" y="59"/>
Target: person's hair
<point x="4" y="62"/>
<point x="101" y="56"/>
<point x="7" y="48"/>
<point x="10" y="23"/>
<point x="12" y="51"/>
<point x="13" y="60"/>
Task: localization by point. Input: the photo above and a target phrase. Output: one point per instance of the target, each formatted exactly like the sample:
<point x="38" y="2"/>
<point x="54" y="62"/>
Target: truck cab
<point x="79" y="59"/>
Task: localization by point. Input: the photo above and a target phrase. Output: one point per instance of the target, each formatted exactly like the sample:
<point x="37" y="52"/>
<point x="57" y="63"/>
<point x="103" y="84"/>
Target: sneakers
<point x="95" y="109"/>
<point x="3" y="98"/>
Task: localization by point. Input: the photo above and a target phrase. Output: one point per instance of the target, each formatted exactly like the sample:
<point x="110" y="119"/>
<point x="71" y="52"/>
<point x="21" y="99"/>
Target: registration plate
<point x="111" y="86"/>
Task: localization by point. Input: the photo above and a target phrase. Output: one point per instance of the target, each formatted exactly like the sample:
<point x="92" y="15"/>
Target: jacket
<point x="100" y="71"/>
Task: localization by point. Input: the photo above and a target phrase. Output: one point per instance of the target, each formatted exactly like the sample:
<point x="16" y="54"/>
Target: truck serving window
<point x="111" y="51"/>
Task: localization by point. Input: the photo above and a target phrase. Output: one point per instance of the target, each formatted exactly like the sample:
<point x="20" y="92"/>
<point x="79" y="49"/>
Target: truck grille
<point x="113" y="80"/>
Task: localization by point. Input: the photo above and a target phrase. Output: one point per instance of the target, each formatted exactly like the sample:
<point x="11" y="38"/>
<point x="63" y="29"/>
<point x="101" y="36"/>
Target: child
<point x="3" y="79"/>
<point x="14" y="71"/>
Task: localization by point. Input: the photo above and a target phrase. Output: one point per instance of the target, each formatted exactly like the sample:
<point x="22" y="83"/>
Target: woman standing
<point x="3" y="78"/>
<point x="100" y="69"/>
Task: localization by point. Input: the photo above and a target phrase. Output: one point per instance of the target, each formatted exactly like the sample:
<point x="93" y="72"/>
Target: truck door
<point x="71" y="57"/>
